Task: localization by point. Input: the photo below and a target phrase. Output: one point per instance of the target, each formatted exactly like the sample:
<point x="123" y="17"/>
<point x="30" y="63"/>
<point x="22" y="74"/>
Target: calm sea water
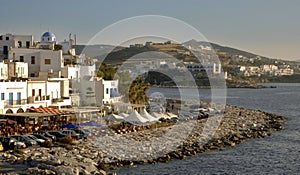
<point x="278" y="154"/>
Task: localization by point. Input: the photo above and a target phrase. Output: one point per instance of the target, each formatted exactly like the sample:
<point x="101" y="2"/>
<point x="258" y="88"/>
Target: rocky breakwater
<point x="235" y="126"/>
<point x="77" y="158"/>
<point x="143" y="144"/>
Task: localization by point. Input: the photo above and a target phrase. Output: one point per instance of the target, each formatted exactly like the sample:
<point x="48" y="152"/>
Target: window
<point x="21" y="58"/>
<point x="7" y="38"/>
<point x="5" y="50"/>
<point x="32" y="59"/>
<point x="1" y="38"/>
<point x="2" y="96"/>
<point x="27" y="44"/>
<point x="47" y="61"/>
<point x="10" y="98"/>
<point x="107" y="91"/>
<point x="18" y="98"/>
<point x="19" y="43"/>
<point x="33" y="92"/>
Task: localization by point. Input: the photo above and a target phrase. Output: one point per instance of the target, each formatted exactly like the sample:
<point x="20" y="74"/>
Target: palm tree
<point x="138" y="91"/>
<point x="106" y="72"/>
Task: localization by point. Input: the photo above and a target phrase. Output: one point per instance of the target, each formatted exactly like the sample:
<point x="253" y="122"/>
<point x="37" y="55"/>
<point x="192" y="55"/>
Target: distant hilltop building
<point x="268" y="70"/>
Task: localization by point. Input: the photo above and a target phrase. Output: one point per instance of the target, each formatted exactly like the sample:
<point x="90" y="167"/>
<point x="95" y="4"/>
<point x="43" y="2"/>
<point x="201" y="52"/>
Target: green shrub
<point x="66" y="140"/>
<point x="47" y="144"/>
<point x="18" y="151"/>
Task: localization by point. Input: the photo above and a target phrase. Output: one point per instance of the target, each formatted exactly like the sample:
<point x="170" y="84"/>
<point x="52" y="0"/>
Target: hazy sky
<point x="269" y="28"/>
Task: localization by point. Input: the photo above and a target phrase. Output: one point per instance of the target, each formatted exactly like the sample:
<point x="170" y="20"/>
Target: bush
<point x="47" y="144"/>
<point x="18" y="151"/>
<point x="63" y="145"/>
<point x="66" y="140"/>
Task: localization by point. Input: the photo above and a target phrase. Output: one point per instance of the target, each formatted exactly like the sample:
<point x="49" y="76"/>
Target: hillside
<point x="219" y="48"/>
<point x="229" y="57"/>
<point x="95" y="50"/>
<point x="114" y="55"/>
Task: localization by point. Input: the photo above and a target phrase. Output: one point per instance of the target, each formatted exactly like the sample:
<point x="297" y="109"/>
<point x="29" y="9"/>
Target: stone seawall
<point x="84" y="157"/>
<point x="237" y="125"/>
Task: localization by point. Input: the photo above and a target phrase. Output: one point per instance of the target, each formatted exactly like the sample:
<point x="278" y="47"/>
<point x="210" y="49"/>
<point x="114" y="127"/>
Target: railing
<point x="57" y="100"/>
<point x="38" y="98"/>
<point x="10" y="103"/>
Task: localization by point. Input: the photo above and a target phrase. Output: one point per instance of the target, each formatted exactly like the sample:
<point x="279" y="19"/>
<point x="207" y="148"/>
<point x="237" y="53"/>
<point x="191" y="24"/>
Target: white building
<point x="97" y="92"/>
<point x="48" y="41"/>
<point x="38" y="60"/>
<point x="213" y="68"/>
<point x="13" y="97"/>
<point x="17" y="70"/>
<point x="3" y="71"/>
<point x="17" y="96"/>
<point x="9" y="41"/>
<point x="39" y="92"/>
<point x="10" y="70"/>
<point x="72" y="72"/>
<point x="110" y="91"/>
<point x="54" y="92"/>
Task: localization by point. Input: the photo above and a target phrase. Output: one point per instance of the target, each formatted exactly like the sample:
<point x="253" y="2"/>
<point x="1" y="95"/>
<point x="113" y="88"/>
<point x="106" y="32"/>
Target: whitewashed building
<point x="17" y="70"/>
<point x="38" y="60"/>
<point x="3" y="71"/>
<point x="13" y="97"/>
<point x="9" y="41"/>
<point x="213" y="68"/>
<point x="110" y="91"/>
<point x="97" y="92"/>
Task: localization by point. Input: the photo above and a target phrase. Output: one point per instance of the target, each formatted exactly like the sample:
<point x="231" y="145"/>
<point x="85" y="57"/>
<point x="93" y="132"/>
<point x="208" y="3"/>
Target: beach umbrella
<point x="124" y="115"/>
<point x="135" y="118"/>
<point x="70" y="126"/>
<point x="90" y="123"/>
<point x="146" y="115"/>
<point x="113" y="117"/>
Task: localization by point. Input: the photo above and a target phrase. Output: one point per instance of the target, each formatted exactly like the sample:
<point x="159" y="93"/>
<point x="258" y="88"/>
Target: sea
<point x="277" y="154"/>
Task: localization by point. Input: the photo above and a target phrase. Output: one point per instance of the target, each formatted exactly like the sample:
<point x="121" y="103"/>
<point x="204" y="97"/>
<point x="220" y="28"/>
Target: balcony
<point x="32" y="99"/>
<point x="14" y="103"/>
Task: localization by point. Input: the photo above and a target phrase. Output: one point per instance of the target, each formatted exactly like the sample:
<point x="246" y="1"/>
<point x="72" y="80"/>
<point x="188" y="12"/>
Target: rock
<point x="237" y="125"/>
<point x="102" y="172"/>
<point x="66" y="170"/>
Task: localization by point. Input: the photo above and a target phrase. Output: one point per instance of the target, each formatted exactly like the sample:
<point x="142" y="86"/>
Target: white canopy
<point x="171" y="115"/>
<point x="113" y="117"/>
<point x="136" y="118"/>
<point x="159" y="115"/>
<point x="124" y="115"/>
<point x="146" y="115"/>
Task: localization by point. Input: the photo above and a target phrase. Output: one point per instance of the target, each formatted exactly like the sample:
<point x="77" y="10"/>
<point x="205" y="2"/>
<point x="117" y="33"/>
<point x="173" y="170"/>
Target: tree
<point x="57" y="47"/>
<point x="138" y="91"/>
<point x="106" y="72"/>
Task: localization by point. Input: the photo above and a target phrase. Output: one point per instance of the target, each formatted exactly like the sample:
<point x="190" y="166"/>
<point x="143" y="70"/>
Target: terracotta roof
<point x="47" y="110"/>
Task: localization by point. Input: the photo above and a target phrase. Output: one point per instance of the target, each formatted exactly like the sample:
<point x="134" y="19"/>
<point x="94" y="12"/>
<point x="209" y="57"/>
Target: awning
<point x="47" y="110"/>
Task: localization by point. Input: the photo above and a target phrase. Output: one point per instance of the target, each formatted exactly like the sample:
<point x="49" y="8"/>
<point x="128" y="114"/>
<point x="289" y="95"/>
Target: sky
<point x="268" y="28"/>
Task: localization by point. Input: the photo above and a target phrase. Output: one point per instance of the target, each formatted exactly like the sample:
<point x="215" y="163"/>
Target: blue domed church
<point x="48" y="37"/>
